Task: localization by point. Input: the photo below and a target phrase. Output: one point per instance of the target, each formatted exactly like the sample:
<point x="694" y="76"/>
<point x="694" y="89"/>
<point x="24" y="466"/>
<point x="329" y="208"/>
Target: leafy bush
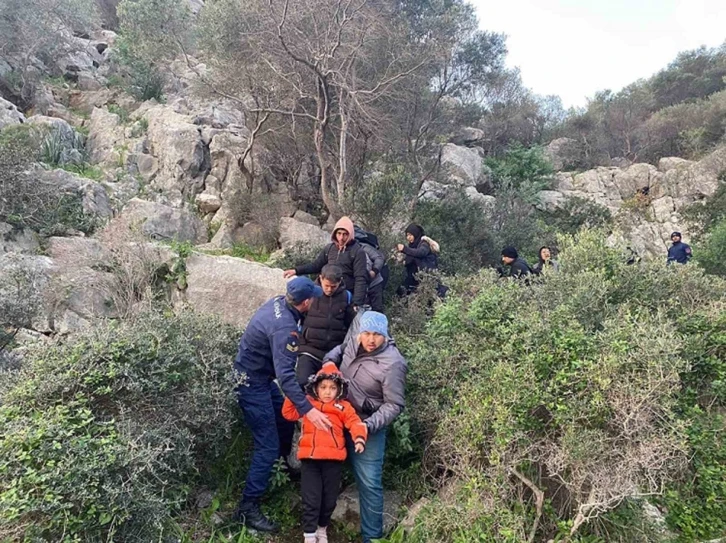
<point x="546" y="406"/>
<point x="710" y="253"/>
<point x="119" y="420"/>
<point x="576" y="213"/>
<point x="522" y="166"/>
<point x="21" y="295"/>
<point x="25" y="200"/>
<point x="382" y="197"/>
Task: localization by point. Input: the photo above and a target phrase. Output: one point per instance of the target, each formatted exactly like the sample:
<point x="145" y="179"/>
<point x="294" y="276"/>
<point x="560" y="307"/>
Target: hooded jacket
<point x="326" y="323"/>
<point x="351" y="258"/>
<point x="421" y="254"/>
<point x="374" y="258"/>
<point x="376" y="381"/>
<point x="318" y="444"/>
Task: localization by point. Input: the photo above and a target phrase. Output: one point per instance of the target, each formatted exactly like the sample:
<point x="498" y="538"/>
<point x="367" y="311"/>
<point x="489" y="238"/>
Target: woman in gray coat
<point x="376" y="372"/>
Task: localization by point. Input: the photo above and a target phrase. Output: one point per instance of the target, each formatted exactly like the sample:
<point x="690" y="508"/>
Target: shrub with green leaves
<point x="102" y="438"/>
<point x="546" y="406"/>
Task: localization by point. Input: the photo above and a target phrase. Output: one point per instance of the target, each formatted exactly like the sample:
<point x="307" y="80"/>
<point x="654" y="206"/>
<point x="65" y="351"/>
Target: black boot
<point x="250" y="515"/>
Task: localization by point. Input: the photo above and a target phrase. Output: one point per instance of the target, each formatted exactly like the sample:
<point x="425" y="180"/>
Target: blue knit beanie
<point x="372" y="321"/>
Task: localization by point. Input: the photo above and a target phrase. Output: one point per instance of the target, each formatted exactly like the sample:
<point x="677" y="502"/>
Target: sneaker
<point x="250" y="515"/>
<point x="309" y="538"/>
<point x="321" y="535"/>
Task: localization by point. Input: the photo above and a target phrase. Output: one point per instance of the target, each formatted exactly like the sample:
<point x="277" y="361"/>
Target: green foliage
<point x="707" y="214"/>
<point x="710" y="252"/>
<point x="85" y="170"/>
<point x="522" y="167"/>
<point x="111" y="446"/>
<point x="382" y="197"/>
<point x="567" y="383"/>
<point x="576" y="213"/>
<point x="461" y="227"/>
<point x="122" y="112"/>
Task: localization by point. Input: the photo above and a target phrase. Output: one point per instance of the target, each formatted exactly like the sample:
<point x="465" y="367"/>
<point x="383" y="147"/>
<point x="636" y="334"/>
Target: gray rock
<point x="160" y="222"/>
<point x="96" y="200"/>
<point x="229" y="287"/>
<point x="305" y="217"/>
<point x="18" y="240"/>
<point x="106" y="139"/>
<point x="550" y="200"/>
<point x="79" y="252"/>
<point x="208" y="203"/>
<point x="562" y="152"/>
<point x="347" y="510"/>
<point x="9" y="114"/>
<point x="294" y="233"/>
<point x="465" y="166"/>
<point x="468" y="136"/>
<point x="667" y="164"/>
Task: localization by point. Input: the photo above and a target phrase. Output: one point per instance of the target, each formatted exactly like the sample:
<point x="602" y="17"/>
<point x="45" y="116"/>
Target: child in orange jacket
<point x="321" y="453"/>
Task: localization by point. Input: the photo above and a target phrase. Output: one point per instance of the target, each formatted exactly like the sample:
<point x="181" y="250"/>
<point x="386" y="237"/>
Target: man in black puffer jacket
<point x="347" y="253"/>
<point x="326" y="323"/>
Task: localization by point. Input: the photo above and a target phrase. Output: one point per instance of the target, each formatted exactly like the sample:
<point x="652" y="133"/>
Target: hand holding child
<point x="359" y="448"/>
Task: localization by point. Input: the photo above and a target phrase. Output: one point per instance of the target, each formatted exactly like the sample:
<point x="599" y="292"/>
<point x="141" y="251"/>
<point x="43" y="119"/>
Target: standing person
<point x="326" y="323"/>
<point x="348" y="254"/>
<point x="679" y="252"/>
<point x="376" y="372"/>
<point x="545" y="261"/>
<point x="375" y="264"/>
<point x="267" y="351"/>
<point x="321" y="453"/>
<point x="420" y="254"/>
<point x="518" y="267"/>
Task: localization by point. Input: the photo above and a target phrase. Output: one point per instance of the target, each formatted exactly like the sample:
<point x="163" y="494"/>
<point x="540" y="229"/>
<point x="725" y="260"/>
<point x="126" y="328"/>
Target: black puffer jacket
<point x="519" y="268"/>
<point x="418" y="256"/>
<point x="326" y="323"/>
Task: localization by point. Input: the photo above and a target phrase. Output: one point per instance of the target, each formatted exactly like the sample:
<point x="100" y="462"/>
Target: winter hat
<point x="676" y="234"/>
<point x="415" y="230"/>
<point x="328" y="371"/>
<point x="344" y="224"/>
<point x="372" y="321"/>
<point x="510" y="252"/>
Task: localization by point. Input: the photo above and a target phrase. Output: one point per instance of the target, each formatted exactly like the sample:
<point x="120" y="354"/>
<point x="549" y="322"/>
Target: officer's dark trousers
<point x="261" y="404"/>
<point x="307" y="365"/>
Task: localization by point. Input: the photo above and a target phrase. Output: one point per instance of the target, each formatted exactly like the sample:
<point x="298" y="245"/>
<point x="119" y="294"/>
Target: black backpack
<point x="366" y="237"/>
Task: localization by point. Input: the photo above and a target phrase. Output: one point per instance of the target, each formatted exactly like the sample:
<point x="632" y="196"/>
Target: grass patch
<point x="84" y="170"/>
<point x="242" y="251"/>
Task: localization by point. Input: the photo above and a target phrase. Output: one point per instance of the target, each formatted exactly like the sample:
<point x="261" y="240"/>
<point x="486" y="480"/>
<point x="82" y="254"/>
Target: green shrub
<point x="576" y="213"/>
<point x="103" y="437"/>
<point x="522" y="166"/>
<point x="382" y="197"/>
<point x="572" y="386"/>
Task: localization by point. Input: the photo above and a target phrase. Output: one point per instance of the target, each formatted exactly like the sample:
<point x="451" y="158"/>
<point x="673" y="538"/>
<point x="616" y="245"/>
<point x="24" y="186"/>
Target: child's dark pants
<point x="320" y="485"/>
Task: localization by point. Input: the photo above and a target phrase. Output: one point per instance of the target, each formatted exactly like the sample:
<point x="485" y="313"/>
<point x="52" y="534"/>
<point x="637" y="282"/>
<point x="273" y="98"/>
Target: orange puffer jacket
<point x="318" y="444"/>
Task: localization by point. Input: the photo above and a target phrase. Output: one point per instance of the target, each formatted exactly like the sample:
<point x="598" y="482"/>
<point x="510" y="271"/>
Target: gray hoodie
<point x="377" y="381"/>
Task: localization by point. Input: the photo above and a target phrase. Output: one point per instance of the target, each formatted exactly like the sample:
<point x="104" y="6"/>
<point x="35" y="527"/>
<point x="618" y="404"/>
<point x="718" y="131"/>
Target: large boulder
<point x="161" y="222"/>
<point x="94" y="195"/>
<point x="294" y="233"/>
<point x="468" y="136"/>
<point x="106" y="139"/>
<point x="464" y="165"/>
<point x="9" y="114"/>
<point x="182" y="155"/>
<point x="563" y="153"/>
<point x="229" y="287"/>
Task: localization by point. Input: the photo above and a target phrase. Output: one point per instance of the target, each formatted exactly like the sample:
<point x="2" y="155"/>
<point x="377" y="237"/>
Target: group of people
<point x="345" y="393"/>
<point x="345" y="388"/>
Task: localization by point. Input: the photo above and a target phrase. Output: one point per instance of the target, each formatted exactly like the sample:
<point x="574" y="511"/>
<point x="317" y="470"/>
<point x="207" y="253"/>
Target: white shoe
<point x="321" y="535"/>
<point x="310" y="538"/>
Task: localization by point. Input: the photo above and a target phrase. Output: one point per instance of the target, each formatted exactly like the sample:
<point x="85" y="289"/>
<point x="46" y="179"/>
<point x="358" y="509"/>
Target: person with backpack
<point x="518" y="267"/>
<point x="347" y="253"/>
<point x="420" y="254"/>
<point x="375" y="263"/>
<point x="326" y="323"/>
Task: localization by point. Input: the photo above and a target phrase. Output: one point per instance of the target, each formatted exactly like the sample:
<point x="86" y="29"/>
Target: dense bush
<point x="102" y="438"/>
<point x="26" y="200"/>
<point x="546" y="406"/>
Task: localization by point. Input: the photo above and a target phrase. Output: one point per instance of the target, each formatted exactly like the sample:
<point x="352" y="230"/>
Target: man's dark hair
<point x="332" y="273"/>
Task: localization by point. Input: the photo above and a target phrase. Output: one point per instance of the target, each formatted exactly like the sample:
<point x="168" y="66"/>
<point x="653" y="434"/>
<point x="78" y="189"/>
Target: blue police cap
<point x="302" y="288"/>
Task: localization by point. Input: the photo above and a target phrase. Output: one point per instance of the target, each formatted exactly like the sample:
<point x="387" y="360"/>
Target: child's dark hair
<point x="332" y="273"/>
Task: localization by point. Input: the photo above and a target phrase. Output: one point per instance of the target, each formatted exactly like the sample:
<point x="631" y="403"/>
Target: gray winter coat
<point x="374" y="261"/>
<point x="377" y="381"/>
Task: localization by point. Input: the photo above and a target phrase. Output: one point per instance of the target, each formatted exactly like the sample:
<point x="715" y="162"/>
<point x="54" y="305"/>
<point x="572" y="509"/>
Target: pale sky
<point x="574" y="48"/>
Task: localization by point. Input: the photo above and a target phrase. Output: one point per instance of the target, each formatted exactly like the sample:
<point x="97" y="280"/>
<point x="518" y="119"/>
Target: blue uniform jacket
<point x="679" y="252"/>
<point x="268" y="349"/>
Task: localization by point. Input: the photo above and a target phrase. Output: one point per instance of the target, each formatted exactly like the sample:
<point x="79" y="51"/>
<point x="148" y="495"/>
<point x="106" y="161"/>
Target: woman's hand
<point x="399" y="247"/>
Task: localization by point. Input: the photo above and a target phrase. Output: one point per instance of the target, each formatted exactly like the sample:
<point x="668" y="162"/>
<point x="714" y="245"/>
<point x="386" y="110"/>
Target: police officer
<point x="679" y="252"/>
<point x="268" y="351"/>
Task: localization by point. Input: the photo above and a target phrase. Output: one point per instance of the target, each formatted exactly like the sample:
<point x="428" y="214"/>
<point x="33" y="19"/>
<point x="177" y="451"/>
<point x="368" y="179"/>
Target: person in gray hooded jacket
<point x="376" y="374"/>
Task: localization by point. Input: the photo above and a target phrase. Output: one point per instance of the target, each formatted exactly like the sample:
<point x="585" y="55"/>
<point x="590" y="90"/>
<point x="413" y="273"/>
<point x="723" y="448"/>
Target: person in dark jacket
<point x="326" y="323"/>
<point x="420" y="254"/>
<point x="545" y="261"/>
<point x="347" y="253"/>
<point x="375" y="264"/>
<point x="679" y="252"/>
<point x="518" y="267"/>
<point x="376" y="374"/>
<point x="267" y="351"/>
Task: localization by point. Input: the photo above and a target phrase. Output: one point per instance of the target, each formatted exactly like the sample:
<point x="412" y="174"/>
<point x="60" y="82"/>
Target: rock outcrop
<point x="163" y="223"/>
